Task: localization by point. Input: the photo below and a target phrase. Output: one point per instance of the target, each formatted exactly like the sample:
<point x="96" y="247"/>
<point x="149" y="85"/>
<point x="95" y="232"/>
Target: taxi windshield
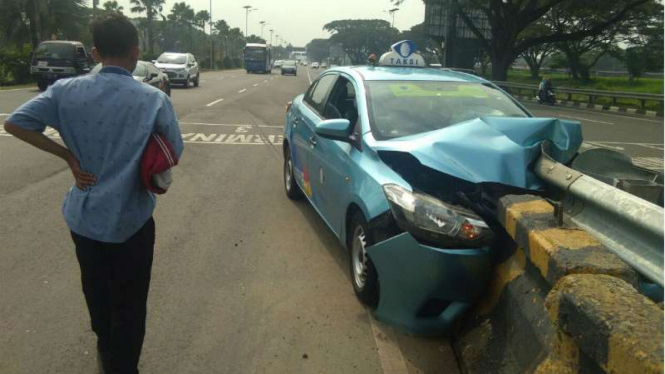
<point x="403" y="108"/>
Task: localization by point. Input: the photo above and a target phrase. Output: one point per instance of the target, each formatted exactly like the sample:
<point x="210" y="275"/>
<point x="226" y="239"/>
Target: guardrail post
<point x="570" y="96"/>
<point x="644" y="104"/>
<point x="614" y="101"/>
<point x="592" y="99"/>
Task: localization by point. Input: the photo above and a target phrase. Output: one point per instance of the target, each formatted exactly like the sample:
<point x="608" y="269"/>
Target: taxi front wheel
<point x="363" y="274"/>
<point x="291" y="187"/>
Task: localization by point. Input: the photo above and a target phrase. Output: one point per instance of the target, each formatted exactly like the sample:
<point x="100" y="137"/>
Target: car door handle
<point x="312" y="141"/>
<point x="296" y="120"/>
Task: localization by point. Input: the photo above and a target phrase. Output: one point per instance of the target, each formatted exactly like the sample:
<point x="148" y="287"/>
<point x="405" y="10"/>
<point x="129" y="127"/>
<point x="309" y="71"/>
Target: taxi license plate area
<point x="171" y="74"/>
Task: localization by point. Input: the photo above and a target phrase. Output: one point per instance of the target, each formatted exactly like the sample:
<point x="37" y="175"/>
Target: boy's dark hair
<point x="114" y="36"/>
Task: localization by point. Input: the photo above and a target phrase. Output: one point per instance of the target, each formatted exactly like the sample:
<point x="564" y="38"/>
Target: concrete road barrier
<point x="542" y="312"/>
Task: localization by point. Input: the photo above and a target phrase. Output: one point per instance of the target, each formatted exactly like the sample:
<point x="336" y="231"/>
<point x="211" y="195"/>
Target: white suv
<point x="181" y="68"/>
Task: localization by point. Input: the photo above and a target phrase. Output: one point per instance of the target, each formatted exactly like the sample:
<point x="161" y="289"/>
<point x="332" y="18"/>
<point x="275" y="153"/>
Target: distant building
<point x="444" y="24"/>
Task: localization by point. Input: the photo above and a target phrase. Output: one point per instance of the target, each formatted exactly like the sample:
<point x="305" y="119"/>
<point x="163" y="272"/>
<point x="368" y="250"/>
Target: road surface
<point x="244" y="280"/>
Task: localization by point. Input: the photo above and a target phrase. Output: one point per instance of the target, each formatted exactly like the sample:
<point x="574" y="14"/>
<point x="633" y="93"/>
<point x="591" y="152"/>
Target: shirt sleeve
<point x="38" y="112"/>
<point x="167" y="126"/>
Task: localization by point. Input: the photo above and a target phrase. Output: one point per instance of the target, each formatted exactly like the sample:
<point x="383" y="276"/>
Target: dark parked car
<point x="57" y="59"/>
<point x="290" y="67"/>
<point x="148" y="73"/>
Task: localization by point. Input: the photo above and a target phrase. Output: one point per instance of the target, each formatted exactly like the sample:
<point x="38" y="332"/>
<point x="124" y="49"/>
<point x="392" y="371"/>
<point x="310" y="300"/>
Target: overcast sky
<point x="299" y="21"/>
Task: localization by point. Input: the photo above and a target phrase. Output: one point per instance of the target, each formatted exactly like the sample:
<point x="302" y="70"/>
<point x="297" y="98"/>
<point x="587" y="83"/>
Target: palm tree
<point x="201" y="18"/>
<point x="183" y="15"/>
<point x="112" y="6"/>
<point x="151" y="8"/>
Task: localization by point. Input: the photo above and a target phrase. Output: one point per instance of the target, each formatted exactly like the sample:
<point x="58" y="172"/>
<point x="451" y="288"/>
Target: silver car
<point x="181" y="68"/>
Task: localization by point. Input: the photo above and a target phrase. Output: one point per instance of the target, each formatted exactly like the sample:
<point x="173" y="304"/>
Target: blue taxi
<point x="405" y="163"/>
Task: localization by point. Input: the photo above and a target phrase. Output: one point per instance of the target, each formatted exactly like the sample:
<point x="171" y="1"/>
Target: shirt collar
<point x="115" y="70"/>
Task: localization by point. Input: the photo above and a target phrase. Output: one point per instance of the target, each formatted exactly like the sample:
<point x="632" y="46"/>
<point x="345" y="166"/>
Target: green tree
<point x="183" y="16"/>
<point x="536" y="55"/>
<point x="508" y="19"/>
<point x="152" y="9"/>
<point x="113" y="6"/>
<point x="318" y="49"/>
<point x="360" y="38"/>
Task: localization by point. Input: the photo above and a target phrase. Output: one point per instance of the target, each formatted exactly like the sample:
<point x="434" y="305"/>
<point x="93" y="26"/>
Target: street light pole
<point x="392" y="13"/>
<point x="212" y="61"/>
<point x="263" y="24"/>
<point x="248" y="8"/>
<point x="271" y="30"/>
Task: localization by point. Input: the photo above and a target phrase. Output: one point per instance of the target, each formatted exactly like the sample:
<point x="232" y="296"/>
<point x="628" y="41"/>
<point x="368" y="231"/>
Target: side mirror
<point x="335" y="129"/>
<point x="154" y="61"/>
<point x="153" y="76"/>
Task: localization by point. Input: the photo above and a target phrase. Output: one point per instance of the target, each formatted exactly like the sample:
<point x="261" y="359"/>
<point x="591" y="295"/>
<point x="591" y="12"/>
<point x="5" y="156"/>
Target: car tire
<point x="42" y="85"/>
<point x="364" y="277"/>
<point x="196" y="82"/>
<point x="291" y="187"/>
<point x="186" y="82"/>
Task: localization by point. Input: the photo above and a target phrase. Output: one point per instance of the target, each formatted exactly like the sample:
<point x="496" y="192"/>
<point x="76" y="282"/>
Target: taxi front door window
<point x="342" y="103"/>
<point x="319" y="94"/>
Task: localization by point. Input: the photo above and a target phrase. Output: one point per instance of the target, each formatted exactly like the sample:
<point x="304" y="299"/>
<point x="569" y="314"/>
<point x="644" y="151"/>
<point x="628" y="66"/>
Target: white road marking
<point x="4" y="115"/>
<point x="215" y="102"/>
<point x="390" y="354"/>
<point x="577" y="111"/>
<point x="229" y="125"/>
<point x="18" y="89"/>
<point x="265" y="81"/>
<point x="243" y="90"/>
<point x="256" y="84"/>
<point x="587" y="120"/>
<point x="601" y="145"/>
<point x="656" y="146"/>
<point x="233" y="76"/>
<point x="309" y="76"/>
<point x="220" y="79"/>
<point x="651" y="163"/>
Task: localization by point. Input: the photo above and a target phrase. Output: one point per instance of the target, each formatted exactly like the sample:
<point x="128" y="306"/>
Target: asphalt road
<point x="244" y="280"/>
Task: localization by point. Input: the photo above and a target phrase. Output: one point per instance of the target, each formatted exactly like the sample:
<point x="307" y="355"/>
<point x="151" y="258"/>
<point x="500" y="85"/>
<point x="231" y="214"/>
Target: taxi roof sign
<point x="403" y="54"/>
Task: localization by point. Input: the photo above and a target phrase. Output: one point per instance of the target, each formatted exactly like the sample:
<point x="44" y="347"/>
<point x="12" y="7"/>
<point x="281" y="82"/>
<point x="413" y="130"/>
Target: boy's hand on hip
<point x="83" y="179"/>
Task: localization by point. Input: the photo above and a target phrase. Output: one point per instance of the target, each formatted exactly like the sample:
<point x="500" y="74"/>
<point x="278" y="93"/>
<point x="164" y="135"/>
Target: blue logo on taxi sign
<point x="403" y="54"/>
<point x="404" y="48"/>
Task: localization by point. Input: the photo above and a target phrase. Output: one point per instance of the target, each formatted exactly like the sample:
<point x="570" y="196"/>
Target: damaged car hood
<point x="491" y="149"/>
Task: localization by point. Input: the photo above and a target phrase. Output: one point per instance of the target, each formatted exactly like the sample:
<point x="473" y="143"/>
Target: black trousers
<point x="116" y="279"/>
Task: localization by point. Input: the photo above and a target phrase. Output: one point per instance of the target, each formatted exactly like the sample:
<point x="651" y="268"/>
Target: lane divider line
<point x="309" y="76"/>
<point x="265" y="81"/>
<point x="390" y="354"/>
<point x="256" y="84"/>
<point x="215" y="102"/>
<point x="18" y="89"/>
<point x="586" y="119"/>
<point x="4" y="114"/>
<point x="229" y="125"/>
<point x="243" y="90"/>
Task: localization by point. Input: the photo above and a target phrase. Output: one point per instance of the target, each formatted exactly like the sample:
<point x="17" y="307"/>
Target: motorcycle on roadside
<point x="546" y="97"/>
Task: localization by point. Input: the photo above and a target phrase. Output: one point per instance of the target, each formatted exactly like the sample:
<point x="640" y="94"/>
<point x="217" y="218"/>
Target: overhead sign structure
<point x="403" y="54"/>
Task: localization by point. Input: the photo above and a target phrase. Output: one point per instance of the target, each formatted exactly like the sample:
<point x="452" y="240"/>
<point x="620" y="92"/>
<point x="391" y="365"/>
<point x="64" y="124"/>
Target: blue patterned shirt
<point x="105" y="120"/>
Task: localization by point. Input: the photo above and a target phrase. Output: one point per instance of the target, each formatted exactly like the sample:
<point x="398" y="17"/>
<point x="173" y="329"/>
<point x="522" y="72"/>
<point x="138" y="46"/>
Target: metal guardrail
<point x="630" y="227"/>
<point x="592" y="95"/>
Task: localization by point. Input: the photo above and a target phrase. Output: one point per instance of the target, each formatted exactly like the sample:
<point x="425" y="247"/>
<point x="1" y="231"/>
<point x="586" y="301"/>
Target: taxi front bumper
<point x="423" y="289"/>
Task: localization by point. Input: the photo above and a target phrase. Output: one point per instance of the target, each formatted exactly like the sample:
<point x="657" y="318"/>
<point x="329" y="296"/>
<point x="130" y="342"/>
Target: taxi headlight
<point x="434" y="221"/>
